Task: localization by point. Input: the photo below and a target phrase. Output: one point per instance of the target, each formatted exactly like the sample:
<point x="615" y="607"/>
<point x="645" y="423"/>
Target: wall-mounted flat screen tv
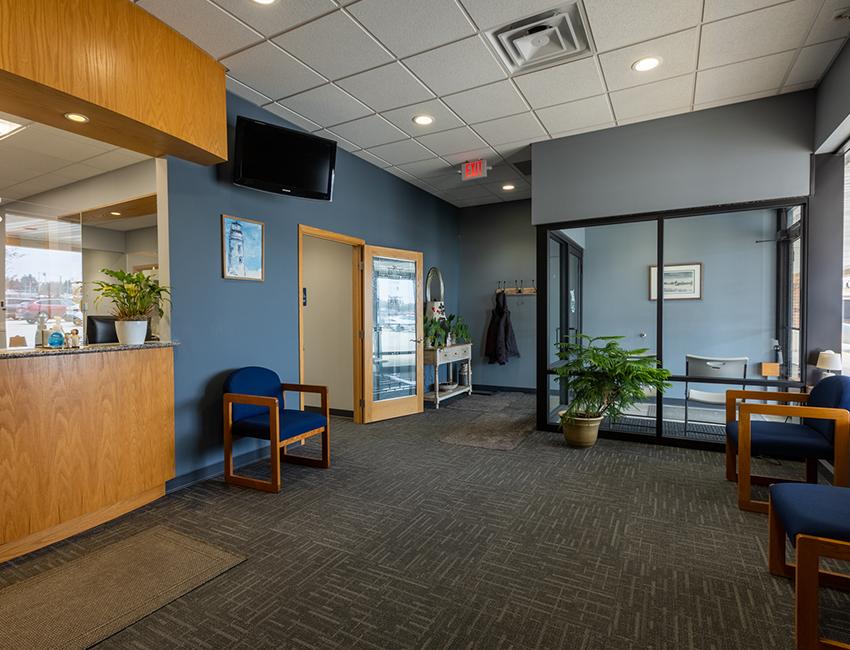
<point x="284" y="161"/>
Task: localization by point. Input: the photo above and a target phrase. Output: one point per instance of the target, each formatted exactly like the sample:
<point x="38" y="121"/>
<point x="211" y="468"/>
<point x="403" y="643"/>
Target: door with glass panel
<point x="392" y="340"/>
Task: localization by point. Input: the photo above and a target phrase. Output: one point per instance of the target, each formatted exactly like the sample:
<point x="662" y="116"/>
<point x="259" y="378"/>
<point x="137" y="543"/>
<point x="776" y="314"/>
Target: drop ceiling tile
<point x="647" y="118"/>
<point x="487" y="102"/>
<point x="399" y="153"/>
<point x="369" y="131"/>
<point x="410" y="26"/>
<point x="459" y="66"/>
<point x="446" y="182"/>
<point x="495" y="13"/>
<point x="115" y="159"/>
<point x="292" y="117"/>
<point x="78" y="172"/>
<point x="275" y="18"/>
<point x="755" y="34"/>
<point x="520" y="150"/>
<point x="563" y="83"/>
<point x="678" y="54"/>
<point x="205" y="24"/>
<point x="269" y="70"/>
<point x="717" y="9"/>
<point x="55" y="143"/>
<point x="444" y="119"/>
<point x="826" y="27"/>
<point x="615" y="23"/>
<point x="502" y="172"/>
<point x="452" y="141"/>
<point x="509" y="129"/>
<point x="734" y="100"/>
<point x="370" y="158"/>
<point x="425" y="168"/>
<point x="595" y="127"/>
<point x="474" y="154"/>
<point x="665" y="95"/>
<point x="469" y="190"/>
<point x="744" y="78"/>
<point x="341" y="142"/>
<point x="793" y="88"/>
<point x="327" y="105"/>
<point x="813" y="61"/>
<point x="520" y="187"/>
<point x="245" y="92"/>
<point x="335" y="46"/>
<point x="574" y="115"/>
<point x="387" y="87"/>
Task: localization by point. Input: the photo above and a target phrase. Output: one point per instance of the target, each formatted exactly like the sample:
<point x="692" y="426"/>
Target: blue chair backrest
<point x="252" y="380"/>
<point x="831" y="392"/>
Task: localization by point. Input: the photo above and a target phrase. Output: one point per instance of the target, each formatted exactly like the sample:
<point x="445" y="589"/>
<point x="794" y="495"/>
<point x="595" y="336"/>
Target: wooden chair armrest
<point x="305" y="388"/>
<point x="732" y="397"/>
<point x="254" y="400"/>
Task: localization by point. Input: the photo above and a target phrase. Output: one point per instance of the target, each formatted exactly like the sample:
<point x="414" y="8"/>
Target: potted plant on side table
<point x="603" y="380"/>
<point x="135" y="298"/>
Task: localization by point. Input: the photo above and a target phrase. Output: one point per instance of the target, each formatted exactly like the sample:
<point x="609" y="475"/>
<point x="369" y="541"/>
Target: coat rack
<point x="518" y="288"/>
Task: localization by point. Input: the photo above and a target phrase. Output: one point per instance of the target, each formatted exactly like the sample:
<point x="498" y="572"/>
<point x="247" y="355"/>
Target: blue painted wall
<point x="225" y="324"/>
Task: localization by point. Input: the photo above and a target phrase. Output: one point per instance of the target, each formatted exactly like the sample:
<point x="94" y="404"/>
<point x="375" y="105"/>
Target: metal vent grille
<point x="543" y="39"/>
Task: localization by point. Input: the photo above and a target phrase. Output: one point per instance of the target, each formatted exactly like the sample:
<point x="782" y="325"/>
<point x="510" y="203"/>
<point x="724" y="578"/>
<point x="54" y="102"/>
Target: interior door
<point x="393" y="341"/>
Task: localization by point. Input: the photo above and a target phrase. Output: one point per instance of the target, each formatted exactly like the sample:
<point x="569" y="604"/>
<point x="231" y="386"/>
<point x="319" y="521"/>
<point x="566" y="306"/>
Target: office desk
<point x="85" y="436"/>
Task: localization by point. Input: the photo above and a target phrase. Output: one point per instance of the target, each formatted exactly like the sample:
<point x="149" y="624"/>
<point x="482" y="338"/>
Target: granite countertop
<point x="19" y="353"/>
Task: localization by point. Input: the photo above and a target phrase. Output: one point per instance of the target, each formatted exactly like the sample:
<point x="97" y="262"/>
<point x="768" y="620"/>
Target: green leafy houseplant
<point x="134" y="296"/>
<point x="604" y="379"/>
<point x="437" y="331"/>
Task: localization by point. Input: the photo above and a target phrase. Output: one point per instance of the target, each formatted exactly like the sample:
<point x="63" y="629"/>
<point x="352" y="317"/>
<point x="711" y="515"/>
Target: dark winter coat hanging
<point x="501" y="341"/>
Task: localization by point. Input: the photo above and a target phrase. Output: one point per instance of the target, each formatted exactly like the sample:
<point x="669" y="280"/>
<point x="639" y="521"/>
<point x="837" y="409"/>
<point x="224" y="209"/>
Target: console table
<point x="449" y="355"/>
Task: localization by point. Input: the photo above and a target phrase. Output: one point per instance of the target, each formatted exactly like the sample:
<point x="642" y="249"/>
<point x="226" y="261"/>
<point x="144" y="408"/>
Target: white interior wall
<point x="328" y="341"/>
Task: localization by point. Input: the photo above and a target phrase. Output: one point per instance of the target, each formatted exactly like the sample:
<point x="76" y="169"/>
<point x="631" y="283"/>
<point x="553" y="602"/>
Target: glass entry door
<point x="393" y="339"/>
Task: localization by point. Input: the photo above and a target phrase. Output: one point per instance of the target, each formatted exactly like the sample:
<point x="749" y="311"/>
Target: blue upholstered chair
<point x="254" y="407"/>
<point x="816" y="520"/>
<point x="823" y="433"/>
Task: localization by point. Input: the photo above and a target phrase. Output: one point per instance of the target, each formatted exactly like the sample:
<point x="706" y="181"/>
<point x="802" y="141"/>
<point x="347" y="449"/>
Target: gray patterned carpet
<point x="411" y="543"/>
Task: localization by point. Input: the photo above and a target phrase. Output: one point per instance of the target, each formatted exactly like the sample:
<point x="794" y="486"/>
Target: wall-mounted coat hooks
<point x="519" y="288"/>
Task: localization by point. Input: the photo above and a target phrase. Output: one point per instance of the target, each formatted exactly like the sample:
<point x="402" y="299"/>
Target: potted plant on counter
<point x="135" y="298"/>
<point x="603" y="380"/>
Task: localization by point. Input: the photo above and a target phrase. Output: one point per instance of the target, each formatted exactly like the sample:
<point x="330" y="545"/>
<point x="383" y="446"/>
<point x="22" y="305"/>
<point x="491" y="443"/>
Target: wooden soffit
<point x="144" y="86"/>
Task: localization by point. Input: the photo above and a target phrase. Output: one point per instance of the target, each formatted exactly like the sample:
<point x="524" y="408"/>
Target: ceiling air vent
<point x="542" y="39"/>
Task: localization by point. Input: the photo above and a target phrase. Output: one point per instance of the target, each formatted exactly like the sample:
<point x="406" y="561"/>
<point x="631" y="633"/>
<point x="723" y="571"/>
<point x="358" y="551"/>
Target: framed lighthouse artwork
<point x="242" y="249"/>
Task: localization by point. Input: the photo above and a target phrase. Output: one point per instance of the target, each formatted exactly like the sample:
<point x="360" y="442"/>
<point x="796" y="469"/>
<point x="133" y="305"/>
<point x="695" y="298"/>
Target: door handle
<point x="416" y="340"/>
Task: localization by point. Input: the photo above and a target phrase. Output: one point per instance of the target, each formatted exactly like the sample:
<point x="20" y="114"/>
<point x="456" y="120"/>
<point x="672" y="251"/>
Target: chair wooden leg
<point x="811" y="470"/>
<point x="776" y="547"/>
<point x="228" y="444"/>
<point x="326" y="446"/>
<point x="731" y="468"/>
<point x="806" y="605"/>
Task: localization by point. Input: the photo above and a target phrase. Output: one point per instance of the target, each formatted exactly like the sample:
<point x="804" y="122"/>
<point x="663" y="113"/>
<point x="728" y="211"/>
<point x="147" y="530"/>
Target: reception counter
<point x="86" y="435"/>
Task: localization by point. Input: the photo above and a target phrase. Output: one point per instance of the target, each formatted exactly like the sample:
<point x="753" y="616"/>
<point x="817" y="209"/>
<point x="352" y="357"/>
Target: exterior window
<point x="845" y="327"/>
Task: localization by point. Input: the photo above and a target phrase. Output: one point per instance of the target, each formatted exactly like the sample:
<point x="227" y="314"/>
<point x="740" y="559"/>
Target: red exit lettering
<point x="474" y="169"/>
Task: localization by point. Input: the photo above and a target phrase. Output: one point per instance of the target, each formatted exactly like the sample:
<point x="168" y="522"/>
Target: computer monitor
<point x="101" y="329"/>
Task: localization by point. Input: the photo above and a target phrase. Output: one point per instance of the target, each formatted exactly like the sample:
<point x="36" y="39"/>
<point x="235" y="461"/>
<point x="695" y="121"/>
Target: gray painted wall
<point x="227" y="324"/>
<point x="497" y="243"/>
<point x="832" y="111"/>
<point x="744" y="152"/>
<point x="736" y="314"/>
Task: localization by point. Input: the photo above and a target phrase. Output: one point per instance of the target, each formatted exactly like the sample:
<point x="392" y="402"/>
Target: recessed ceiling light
<point x="76" y="117"/>
<point x="265" y="2"/>
<point x="7" y="127"/>
<point x="115" y="214"/>
<point x="646" y="64"/>
<point x="423" y="120"/>
<point x="508" y="187"/>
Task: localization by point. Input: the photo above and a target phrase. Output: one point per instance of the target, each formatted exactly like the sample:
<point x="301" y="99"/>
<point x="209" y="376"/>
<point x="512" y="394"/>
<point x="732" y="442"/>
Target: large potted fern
<point x="135" y="298"/>
<point x="603" y="379"/>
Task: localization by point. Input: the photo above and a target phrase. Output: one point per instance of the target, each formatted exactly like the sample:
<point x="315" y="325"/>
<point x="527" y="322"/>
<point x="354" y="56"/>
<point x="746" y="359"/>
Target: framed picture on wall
<point x="242" y="249"/>
<point x="681" y="282"/>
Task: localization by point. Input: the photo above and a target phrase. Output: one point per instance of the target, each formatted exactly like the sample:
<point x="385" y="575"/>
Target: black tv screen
<point x="275" y="159"/>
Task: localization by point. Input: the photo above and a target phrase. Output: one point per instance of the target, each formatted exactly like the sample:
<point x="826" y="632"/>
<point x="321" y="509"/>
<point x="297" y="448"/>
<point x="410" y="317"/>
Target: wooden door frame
<point x="398" y="408"/>
<point x="357" y="245"/>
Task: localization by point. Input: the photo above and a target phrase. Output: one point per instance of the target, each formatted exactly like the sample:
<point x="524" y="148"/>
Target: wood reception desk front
<point x="85" y="436"/>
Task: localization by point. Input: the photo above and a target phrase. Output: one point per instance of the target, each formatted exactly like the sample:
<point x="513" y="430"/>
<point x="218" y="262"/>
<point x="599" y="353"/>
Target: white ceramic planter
<point x="131" y="332"/>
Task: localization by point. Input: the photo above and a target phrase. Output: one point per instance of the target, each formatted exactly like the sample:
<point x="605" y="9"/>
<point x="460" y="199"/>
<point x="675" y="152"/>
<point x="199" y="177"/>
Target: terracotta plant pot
<point x="581" y="432"/>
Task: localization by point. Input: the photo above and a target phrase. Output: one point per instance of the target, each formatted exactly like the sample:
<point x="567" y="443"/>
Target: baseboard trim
<point x="503" y="389"/>
<point x="343" y="413"/>
<point x="216" y="469"/>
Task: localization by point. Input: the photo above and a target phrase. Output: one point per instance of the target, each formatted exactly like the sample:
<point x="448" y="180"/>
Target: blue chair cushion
<point x="292" y="423"/>
<point x="819" y="510"/>
<point x="783" y="440"/>
<point x="831" y="392"/>
<point x="253" y="380"/>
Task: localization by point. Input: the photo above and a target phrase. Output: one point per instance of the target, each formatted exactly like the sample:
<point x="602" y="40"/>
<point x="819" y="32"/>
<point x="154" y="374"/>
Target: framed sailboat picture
<point x="681" y="282"/>
<point x="242" y="249"/>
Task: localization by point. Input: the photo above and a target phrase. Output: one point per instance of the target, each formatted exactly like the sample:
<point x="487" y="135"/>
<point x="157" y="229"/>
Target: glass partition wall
<point x="726" y="310"/>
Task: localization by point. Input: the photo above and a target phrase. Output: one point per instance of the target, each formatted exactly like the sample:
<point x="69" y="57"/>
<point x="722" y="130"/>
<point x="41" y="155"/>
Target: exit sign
<point x="473" y="169"/>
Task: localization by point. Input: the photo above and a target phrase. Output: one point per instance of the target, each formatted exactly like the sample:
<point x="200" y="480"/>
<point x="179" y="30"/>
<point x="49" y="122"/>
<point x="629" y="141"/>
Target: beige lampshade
<point x="829" y="360"/>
